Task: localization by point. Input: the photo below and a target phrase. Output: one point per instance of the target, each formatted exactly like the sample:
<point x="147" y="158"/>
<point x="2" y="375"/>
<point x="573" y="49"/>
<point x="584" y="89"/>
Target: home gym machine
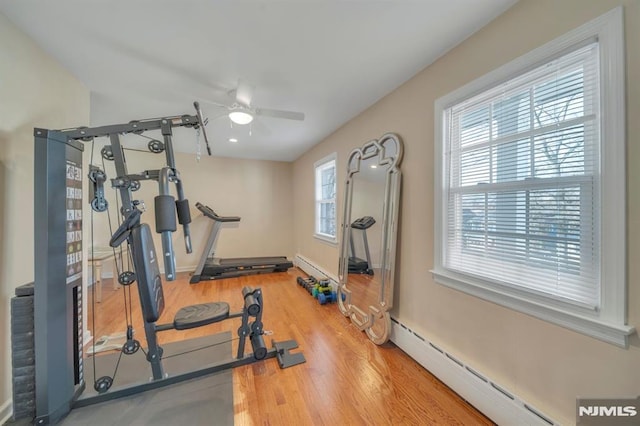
<point x="212" y="268"/>
<point x="58" y="310"/>
<point x="356" y="264"/>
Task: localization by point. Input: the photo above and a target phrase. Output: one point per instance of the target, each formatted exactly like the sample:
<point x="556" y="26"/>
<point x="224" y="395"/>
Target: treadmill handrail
<point x="208" y="211"/>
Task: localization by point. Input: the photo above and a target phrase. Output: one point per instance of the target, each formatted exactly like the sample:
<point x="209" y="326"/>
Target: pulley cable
<point x="201" y="348"/>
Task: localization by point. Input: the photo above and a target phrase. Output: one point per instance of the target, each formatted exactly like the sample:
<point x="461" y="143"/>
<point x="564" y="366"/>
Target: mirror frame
<point x="365" y="318"/>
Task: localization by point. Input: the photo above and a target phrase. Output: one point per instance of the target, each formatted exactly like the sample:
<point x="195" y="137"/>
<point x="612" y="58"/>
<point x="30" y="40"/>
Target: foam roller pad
<point x="165" y="216"/>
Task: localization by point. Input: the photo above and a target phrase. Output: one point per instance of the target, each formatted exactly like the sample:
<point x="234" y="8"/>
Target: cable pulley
<point x="135" y="123"/>
<point x="103" y="384"/>
<point x="107" y="152"/>
<point x="86" y="138"/>
<point x="97" y="177"/>
<point x="127" y="278"/>
<point x="130" y="347"/>
<point x="99" y="204"/>
<point x="155" y="146"/>
<point x="187" y="119"/>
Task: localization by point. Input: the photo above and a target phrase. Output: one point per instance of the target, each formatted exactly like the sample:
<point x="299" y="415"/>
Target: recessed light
<point x="374" y="166"/>
<point x="234" y="140"/>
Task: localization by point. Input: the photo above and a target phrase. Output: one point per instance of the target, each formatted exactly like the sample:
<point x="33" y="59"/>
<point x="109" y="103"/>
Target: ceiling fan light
<point x="240" y="117"/>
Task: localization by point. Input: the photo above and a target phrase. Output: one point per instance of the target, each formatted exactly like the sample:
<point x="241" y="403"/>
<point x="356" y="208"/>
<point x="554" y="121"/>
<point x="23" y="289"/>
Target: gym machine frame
<point x="59" y="369"/>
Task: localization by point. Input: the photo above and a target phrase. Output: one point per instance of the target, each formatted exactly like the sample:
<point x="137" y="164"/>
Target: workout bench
<point x="152" y="303"/>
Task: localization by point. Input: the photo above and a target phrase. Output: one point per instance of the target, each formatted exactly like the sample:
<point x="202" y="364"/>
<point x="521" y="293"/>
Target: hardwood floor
<point x="347" y="380"/>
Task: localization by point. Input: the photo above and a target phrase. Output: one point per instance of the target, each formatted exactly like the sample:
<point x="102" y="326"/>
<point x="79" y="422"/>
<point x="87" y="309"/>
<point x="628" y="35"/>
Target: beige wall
<point x="257" y="191"/>
<point x="34" y="92"/>
<point x="544" y="364"/>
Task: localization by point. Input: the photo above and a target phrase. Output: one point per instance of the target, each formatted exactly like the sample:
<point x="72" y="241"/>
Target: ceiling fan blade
<point x="214" y="103"/>
<point x="276" y="113"/>
<point x="244" y="93"/>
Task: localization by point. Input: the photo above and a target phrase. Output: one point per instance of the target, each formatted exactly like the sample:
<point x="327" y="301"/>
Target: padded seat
<point x="198" y="315"/>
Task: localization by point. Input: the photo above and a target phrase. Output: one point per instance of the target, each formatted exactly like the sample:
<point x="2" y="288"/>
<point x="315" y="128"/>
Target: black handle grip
<point x="184" y="214"/>
<point x="123" y="231"/>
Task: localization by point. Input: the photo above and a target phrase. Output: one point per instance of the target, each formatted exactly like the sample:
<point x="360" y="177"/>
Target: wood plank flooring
<point x="347" y="380"/>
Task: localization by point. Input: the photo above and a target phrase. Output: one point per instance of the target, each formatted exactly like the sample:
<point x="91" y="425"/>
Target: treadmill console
<point x="364" y="222"/>
<point x="208" y="211"/>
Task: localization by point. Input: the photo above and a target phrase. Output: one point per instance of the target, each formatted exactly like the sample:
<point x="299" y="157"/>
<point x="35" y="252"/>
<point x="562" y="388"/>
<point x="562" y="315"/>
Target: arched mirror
<point x="369" y="227"/>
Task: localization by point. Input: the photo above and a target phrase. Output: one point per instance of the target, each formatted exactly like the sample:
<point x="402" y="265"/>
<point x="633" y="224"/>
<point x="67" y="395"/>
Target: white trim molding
<point x="6" y="411"/>
<point x="332" y="241"/>
<point x="613" y="333"/>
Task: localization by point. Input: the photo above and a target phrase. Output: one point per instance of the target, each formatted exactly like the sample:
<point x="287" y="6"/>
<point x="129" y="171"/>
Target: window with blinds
<point x="522" y="172"/>
<point x="530" y="183"/>
<point x="325" y="195"/>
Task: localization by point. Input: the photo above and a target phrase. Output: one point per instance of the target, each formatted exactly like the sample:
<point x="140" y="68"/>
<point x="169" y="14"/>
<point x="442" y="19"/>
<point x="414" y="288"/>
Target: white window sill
<point x="614" y="333"/>
<point x="326" y="239"/>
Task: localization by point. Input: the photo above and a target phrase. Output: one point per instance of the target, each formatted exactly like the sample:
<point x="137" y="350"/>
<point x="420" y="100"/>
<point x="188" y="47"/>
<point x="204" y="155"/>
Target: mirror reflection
<point x="369" y="235"/>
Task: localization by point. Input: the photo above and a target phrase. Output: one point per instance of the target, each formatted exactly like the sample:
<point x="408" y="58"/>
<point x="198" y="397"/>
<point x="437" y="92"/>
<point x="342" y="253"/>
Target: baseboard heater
<point x="493" y="400"/>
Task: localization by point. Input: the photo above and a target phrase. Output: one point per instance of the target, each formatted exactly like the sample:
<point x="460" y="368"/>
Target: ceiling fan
<point x="241" y="111"/>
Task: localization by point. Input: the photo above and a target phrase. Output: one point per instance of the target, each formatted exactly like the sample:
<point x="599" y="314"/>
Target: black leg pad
<point x="165" y="214"/>
<point x="258" y="346"/>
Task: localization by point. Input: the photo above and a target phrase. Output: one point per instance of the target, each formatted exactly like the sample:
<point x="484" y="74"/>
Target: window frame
<point x="318" y="166"/>
<point x="609" y="322"/>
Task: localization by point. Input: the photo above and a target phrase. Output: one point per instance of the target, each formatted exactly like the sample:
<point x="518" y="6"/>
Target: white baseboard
<point x="86" y="337"/>
<point x="6" y="411"/>
<point x="493" y="400"/>
<point x="310" y="268"/>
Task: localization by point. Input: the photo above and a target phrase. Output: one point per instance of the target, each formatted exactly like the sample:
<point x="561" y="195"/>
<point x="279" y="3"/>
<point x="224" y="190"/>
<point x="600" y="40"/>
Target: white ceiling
<point x="329" y="59"/>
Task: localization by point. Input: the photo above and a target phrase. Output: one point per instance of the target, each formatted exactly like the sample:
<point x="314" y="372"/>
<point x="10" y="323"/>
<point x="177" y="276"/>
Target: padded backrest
<point x="147" y="273"/>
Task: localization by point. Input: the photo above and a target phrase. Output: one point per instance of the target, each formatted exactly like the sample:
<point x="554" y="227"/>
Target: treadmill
<point x="356" y="264"/>
<point x="213" y="268"/>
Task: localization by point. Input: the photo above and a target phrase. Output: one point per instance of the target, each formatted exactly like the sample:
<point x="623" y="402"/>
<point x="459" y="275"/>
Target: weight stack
<point x="23" y="353"/>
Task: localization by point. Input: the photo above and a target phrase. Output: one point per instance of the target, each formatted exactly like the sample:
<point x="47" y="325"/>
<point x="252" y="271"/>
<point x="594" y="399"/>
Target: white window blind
<point x="522" y="172"/>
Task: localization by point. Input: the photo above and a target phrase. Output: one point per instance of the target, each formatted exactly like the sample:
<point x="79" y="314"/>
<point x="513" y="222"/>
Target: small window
<point x="325" y="198"/>
<point x="529" y="208"/>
